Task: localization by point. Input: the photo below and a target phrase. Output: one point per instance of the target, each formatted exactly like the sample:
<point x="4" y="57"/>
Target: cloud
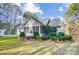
<point x="61" y="9"/>
<point x="32" y="8"/>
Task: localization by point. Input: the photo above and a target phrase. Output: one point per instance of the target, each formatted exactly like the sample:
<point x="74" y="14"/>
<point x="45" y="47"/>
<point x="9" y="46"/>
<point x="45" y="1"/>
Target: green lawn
<point x="8" y="42"/>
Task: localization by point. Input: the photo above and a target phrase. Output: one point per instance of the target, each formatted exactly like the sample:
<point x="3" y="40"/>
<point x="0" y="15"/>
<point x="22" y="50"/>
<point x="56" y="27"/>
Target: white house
<point x="2" y="32"/>
<point x="33" y="25"/>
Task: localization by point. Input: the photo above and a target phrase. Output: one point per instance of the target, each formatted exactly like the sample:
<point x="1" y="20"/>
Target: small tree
<point x="22" y="35"/>
<point x="61" y="34"/>
<point x="36" y="35"/>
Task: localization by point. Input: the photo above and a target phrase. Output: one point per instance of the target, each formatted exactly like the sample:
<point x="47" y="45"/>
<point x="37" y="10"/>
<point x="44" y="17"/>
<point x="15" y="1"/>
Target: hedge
<point x="63" y="38"/>
<point x="45" y="37"/>
<point x="36" y="35"/>
<point x="52" y="34"/>
<point x="22" y="34"/>
<point x="53" y="38"/>
<point x="61" y="34"/>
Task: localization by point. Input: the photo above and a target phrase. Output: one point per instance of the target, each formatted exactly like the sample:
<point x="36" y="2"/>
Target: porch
<point x="29" y="30"/>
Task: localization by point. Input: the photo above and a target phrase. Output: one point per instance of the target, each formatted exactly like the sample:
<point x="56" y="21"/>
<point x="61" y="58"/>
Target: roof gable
<point x="32" y="19"/>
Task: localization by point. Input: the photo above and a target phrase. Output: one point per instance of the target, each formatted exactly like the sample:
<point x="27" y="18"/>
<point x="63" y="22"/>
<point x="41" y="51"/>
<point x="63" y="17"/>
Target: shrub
<point x="65" y="38"/>
<point x="22" y="34"/>
<point x="53" y="29"/>
<point x="62" y="38"/>
<point x="52" y="34"/>
<point x="45" y="37"/>
<point x="69" y="38"/>
<point x="36" y="35"/>
<point x="54" y="38"/>
<point x="61" y="34"/>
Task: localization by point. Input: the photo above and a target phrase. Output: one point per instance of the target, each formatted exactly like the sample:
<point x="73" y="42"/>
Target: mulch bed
<point x="74" y="34"/>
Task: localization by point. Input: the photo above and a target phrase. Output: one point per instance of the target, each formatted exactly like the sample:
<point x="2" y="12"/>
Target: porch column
<point x="39" y="30"/>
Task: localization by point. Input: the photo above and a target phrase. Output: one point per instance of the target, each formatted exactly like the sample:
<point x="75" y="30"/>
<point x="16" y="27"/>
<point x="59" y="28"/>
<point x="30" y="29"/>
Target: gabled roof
<point x="44" y="21"/>
<point x="34" y="19"/>
<point x="51" y="22"/>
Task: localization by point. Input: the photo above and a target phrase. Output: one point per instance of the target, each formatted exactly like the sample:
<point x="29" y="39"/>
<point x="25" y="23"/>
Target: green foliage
<point x="53" y="29"/>
<point x="22" y="34"/>
<point x="45" y="37"/>
<point x="70" y="29"/>
<point x="54" y="38"/>
<point x="36" y="35"/>
<point x="48" y="29"/>
<point x="72" y="8"/>
<point x="68" y="38"/>
<point x="61" y="34"/>
<point x="63" y="38"/>
<point x="52" y="33"/>
<point x="8" y="38"/>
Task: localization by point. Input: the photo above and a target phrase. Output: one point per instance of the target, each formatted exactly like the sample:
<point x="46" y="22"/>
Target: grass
<point x="8" y="38"/>
<point x="8" y="42"/>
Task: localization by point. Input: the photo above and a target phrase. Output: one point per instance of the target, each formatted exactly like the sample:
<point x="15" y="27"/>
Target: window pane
<point x="37" y="28"/>
<point x="27" y="29"/>
<point x="33" y="28"/>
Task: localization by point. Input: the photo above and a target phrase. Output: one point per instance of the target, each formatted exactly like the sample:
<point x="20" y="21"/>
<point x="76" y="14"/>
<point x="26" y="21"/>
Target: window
<point x="24" y="28"/>
<point x="33" y="28"/>
<point x="27" y="29"/>
<point x="37" y="28"/>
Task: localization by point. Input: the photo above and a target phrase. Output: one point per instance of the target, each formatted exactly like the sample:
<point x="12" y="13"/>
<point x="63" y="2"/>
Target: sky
<point x="46" y="10"/>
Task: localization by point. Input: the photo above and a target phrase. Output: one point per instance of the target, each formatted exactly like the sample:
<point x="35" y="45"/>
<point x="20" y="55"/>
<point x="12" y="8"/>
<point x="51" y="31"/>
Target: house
<point x="32" y="25"/>
<point x="2" y="31"/>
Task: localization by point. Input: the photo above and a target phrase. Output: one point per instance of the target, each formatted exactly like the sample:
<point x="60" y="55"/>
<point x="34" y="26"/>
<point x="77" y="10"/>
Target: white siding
<point x="2" y="32"/>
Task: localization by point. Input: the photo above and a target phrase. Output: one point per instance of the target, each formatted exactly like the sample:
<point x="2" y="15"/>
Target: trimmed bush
<point x="63" y="38"/>
<point x="45" y="37"/>
<point x="22" y="34"/>
<point x="36" y="35"/>
<point x="54" y="38"/>
<point x="61" y="34"/>
<point x="52" y="34"/>
<point x="69" y="38"/>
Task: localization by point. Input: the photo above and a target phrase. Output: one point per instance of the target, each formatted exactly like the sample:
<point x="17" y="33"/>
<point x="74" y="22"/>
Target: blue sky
<point x="46" y="10"/>
<point x="52" y="10"/>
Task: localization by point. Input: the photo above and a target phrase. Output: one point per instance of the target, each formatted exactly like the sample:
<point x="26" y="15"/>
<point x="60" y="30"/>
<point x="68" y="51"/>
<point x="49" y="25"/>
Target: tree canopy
<point x="72" y="8"/>
<point x="9" y="13"/>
